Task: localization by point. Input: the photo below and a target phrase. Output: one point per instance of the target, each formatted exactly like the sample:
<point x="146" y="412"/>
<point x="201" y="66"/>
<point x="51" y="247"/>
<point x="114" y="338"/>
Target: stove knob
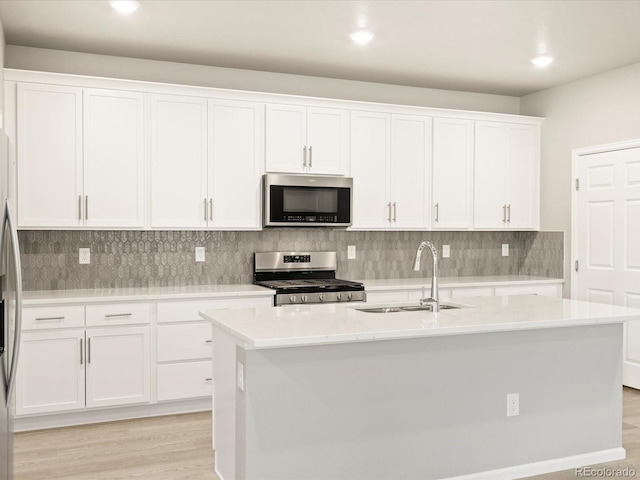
<point x="350" y="295"/>
<point x="304" y="298"/>
<point x="339" y="296"/>
<point x="292" y="299"/>
<point x="321" y="297"/>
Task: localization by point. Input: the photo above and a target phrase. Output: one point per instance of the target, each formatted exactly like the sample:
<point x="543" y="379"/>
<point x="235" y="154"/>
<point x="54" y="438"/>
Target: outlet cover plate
<point x="85" y="256"/>
<point x="200" y="254"/>
<point x="446" y="251"/>
<point x="351" y="252"/>
<point x="513" y="404"/>
<point x="505" y="249"/>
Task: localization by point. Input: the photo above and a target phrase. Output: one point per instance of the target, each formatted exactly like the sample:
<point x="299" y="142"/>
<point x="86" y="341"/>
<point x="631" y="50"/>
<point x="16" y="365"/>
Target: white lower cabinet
<point x="50" y="372"/>
<point x="177" y="381"/>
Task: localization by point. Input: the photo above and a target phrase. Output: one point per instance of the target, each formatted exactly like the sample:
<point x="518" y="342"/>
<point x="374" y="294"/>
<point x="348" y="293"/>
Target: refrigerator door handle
<point x="11" y="230"/>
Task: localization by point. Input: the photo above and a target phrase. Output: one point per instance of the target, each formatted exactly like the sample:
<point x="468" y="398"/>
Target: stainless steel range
<point x="304" y="277"/>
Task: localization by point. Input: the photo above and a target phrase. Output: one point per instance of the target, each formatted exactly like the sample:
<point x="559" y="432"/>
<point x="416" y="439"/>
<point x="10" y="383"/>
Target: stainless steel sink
<point x="411" y="308"/>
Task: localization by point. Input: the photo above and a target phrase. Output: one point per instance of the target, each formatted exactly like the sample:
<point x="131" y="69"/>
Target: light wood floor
<point x="178" y="447"/>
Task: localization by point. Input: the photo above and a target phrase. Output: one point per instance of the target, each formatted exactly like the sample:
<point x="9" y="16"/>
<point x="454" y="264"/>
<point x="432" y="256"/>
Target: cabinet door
<point x="236" y="153"/>
<point x="489" y="176"/>
<point x="178" y="161"/>
<point x="113" y="158"/>
<point x="51" y="372"/>
<point x="184" y="380"/>
<point x="522" y="176"/>
<point x="370" y="156"/>
<point x="118" y="366"/>
<point x="49" y="156"/>
<point x="452" y="173"/>
<point x="327" y="140"/>
<point x="410" y="169"/>
<point x="286" y="138"/>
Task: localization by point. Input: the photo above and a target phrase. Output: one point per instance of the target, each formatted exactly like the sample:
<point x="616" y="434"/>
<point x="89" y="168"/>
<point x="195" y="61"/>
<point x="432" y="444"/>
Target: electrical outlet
<point x="513" y="404"/>
<point x="240" y="376"/>
<point x="351" y="252"/>
<point x="85" y="256"/>
<point x="505" y="249"/>
<point x="446" y="251"/>
<point x="199" y="254"/>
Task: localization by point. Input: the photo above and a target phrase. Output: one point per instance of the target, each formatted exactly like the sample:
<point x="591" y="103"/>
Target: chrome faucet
<point x="434" y="300"/>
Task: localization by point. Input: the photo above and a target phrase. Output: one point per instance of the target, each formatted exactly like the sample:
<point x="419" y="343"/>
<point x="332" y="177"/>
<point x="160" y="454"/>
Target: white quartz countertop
<point x="48" y="297"/>
<point x="452" y="282"/>
<point x="291" y="326"/>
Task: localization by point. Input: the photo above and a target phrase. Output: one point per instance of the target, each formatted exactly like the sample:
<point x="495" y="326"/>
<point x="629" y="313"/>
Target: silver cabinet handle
<point x="208" y="379"/>
<point x="208" y="341"/>
<point x="205" y="209"/>
<point x="509" y="213"/>
<point x="80" y="207"/>
<point x="81" y="353"/>
<point x="89" y="350"/>
<point x="40" y="319"/>
<point x="115" y="315"/>
<point x="304" y="156"/>
<point x="437" y="214"/>
<point x="211" y="209"/>
<point x="86" y="207"/>
<point x="394" y="212"/>
<point x="311" y="156"/>
<point x="389" y="206"/>
<point x="504" y="214"/>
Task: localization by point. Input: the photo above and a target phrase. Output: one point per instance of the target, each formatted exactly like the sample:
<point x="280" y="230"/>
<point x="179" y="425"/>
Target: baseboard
<point x="81" y="417"/>
<point x="547" y="466"/>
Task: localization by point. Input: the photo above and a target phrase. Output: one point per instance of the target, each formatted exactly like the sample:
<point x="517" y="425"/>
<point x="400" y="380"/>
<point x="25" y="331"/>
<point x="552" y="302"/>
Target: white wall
<point x="28" y="58"/>
<point x="601" y="109"/>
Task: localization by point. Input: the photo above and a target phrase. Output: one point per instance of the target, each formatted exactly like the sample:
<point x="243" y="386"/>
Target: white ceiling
<point x="477" y="46"/>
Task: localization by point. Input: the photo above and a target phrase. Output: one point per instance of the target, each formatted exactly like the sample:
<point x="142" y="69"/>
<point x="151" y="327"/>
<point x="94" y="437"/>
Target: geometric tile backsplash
<point x="122" y="259"/>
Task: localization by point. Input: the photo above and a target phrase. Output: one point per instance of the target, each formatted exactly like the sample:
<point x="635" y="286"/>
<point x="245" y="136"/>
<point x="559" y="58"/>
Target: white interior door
<point x="607" y="240"/>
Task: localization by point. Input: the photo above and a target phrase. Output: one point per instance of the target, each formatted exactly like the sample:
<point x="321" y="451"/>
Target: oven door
<point x="297" y="200"/>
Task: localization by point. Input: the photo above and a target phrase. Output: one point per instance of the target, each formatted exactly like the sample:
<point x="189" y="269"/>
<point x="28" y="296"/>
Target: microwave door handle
<point x="17" y="277"/>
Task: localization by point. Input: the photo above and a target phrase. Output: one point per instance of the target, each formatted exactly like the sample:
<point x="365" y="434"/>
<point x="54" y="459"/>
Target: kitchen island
<point x="334" y="392"/>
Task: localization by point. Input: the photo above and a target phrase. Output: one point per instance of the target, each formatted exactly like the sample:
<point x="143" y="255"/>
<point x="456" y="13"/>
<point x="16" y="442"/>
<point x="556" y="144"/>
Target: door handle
<point x="205" y="209"/>
<point x="509" y="213"/>
<point x="81" y="353"/>
<point x="80" y="207"/>
<point x="394" y="212"/>
<point x="304" y="157"/>
<point x="86" y="207"/>
<point x="211" y="209"/>
<point x="15" y="247"/>
<point x="389" y="218"/>
<point x="437" y="214"/>
<point x="311" y="156"/>
<point x="504" y="214"/>
<point x="89" y="350"/>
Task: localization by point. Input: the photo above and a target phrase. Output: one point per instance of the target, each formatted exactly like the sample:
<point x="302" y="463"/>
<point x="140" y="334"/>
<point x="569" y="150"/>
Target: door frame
<point x="576" y="156"/>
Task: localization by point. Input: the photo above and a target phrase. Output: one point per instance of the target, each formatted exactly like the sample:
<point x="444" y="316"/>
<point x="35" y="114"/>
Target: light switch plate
<point x="446" y="251"/>
<point x="505" y="249"/>
<point x="351" y="252"/>
<point x="199" y="254"/>
<point x="513" y="405"/>
<point x="85" y="256"/>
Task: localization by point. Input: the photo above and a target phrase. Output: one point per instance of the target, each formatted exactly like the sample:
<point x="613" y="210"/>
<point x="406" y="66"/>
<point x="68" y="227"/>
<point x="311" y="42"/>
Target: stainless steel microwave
<point x="306" y="201"/>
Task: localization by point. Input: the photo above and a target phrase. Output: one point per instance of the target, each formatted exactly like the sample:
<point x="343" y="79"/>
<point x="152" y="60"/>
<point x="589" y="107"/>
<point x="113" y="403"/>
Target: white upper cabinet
<point x="236" y="153"/>
<point x="113" y="158"/>
<point x="306" y="140"/>
<point x="49" y="156"/>
<point x="80" y="157"/>
<point x="390" y="165"/>
<point x="452" y="173"/>
<point x="410" y="171"/>
<point x="506" y="176"/>
<point x="370" y="163"/>
<point x="179" y="197"/>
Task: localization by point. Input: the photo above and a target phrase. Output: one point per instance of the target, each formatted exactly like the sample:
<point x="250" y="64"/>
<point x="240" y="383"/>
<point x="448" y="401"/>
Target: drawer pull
<point x="208" y="341"/>
<point x="208" y="379"/>
<point x="49" y="318"/>
<point x="114" y="315"/>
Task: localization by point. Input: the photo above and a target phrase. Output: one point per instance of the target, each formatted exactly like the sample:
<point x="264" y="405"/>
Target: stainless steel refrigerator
<point x="10" y="314"/>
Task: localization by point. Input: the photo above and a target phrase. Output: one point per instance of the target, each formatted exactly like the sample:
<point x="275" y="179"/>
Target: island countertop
<point x="299" y="325"/>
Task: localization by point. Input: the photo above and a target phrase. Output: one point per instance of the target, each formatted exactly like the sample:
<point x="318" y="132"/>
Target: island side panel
<point x="430" y="407"/>
<point x="224" y="403"/>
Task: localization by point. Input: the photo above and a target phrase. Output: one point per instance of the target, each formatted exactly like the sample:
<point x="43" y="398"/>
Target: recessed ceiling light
<point x="542" y="61"/>
<point x="362" y="37"/>
<point x="125" y="6"/>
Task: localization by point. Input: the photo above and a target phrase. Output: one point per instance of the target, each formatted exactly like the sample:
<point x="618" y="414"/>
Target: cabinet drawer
<point x="187" y="311"/>
<point x="118" y="314"/>
<point x="184" y="380"/>
<point x="545" y="290"/>
<point x="40" y="318"/>
<point x="184" y="342"/>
